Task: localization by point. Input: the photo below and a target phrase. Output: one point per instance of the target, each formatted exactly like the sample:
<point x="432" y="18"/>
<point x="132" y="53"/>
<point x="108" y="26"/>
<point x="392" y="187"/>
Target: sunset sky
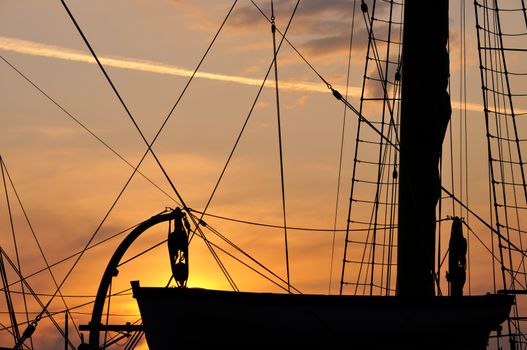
<point x="67" y="180"/>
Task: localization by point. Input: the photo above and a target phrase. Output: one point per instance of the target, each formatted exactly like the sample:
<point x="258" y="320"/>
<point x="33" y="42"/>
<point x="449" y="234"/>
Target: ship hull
<point x="190" y="317"/>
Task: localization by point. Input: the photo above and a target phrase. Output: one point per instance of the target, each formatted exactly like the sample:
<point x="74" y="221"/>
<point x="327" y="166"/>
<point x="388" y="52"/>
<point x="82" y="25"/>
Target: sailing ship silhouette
<point x="414" y="313"/>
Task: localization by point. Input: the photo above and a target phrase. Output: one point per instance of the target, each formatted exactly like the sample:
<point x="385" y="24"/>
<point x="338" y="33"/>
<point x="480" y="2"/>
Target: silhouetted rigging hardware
<point x="95" y="325"/>
<point x="178" y="249"/>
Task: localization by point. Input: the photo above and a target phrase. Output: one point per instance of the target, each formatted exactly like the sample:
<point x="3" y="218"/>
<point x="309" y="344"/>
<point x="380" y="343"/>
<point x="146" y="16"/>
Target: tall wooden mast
<point x="425" y="113"/>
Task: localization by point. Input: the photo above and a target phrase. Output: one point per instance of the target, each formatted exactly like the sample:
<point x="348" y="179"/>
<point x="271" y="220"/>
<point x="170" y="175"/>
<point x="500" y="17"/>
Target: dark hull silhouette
<point x="198" y="317"/>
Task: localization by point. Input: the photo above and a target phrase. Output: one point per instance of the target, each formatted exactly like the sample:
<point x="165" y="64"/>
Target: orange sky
<point x="67" y="180"/>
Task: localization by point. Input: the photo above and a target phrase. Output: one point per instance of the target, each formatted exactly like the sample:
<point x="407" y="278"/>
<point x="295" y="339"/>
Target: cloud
<point x="315" y="22"/>
<point x="326" y="45"/>
<point x="310" y="12"/>
<point x="322" y="27"/>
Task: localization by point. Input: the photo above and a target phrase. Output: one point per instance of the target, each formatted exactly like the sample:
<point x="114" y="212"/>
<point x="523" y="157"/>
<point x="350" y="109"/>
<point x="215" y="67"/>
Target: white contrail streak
<point x="43" y="50"/>
<point x="51" y="51"/>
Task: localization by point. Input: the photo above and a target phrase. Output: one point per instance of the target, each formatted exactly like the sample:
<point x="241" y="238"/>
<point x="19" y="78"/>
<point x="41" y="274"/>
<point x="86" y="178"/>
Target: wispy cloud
<point x="43" y="50"/>
<point x="321" y="28"/>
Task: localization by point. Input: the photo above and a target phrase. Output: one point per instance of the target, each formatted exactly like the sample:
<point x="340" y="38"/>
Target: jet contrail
<point x="51" y="51"/>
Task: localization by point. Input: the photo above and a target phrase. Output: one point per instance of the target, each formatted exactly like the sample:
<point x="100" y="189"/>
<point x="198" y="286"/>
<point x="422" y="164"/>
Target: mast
<point x="425" y="113"/>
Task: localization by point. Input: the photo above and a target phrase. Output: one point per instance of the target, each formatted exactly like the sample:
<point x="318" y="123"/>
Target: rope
<point x="335" y="93"/>
<point x="342" y="137"/>
<point x="508" y="89"/>
<point x="37" y="241"/>
<point x="140" y="162"/>
<point x="4" y="279"/>
<point x="484" y="62"/>
<point x="149" y="149"/>
<point x="503" y="143"/>
<point x="280" y="147"/>
<point x="244" y="125"/>
<point x="134" y="340"/>
<point x="384" y="154"/>
<point x="83" y="126"/>
<point x="290" y="228"/>
<point x="109" y="298"/>
<point x="71" y="257"/>
<point x="73" y="296"/>
<point x="231" y="154"/>
<point x="118" y="95"/>
<point x="464" y="127"/>
<point x="390" y="209"/>
<point x="141" y="253"/>
<point x="494" y="230"/>
<point x="368" y="20"/>
<point x="229" y="242"/>
<point x="39" y="317"/>
<point x="9" y="303"/>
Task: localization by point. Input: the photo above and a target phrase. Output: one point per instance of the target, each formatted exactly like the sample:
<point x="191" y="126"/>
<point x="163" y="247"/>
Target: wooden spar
<point x="425" y="113"/>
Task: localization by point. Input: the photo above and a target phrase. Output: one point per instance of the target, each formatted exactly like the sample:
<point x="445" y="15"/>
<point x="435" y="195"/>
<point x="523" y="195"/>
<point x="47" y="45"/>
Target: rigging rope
<point x="228" y="241"/>
<point x="387" y="157"/>
<point x="231" y="154"/>
<point x="489" y="226"/>
<point x="72" y="256"/>
<point x="504" y="152"/>
<point x="37" y="241"/>
<point x="290" y="228"/>
<point x="368" y="20"/>
<point x="108" y="303"/>
<point x="386" y="102"/>
<point x="512" y="114"/>
<point x="342" y="137"/>
<point x="280" y="147"/>
<point x="33" y="323"/>
<point x="464" y="153"/>
<point x="9" y="302"/>
<point x="4" y="275"/>
<point x="487" y="122"/>
<point x="134" y="340"/>
<point x="335" y="92"/>
<point x="83" y="126"/>
<point x="149" y="150"/>
<point x="244" y="125"/>
<point x="118" y="95"/>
